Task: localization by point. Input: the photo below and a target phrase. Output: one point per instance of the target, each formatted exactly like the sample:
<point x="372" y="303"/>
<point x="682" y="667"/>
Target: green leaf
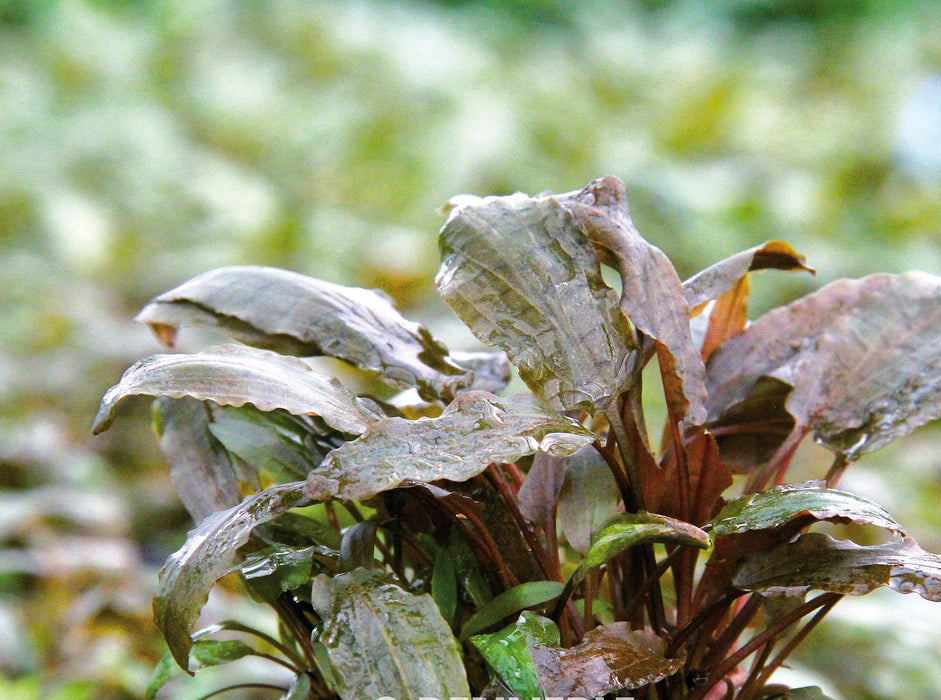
<point x="383" y="641"/>
<point x="209" y="552"/>
<point x="233" y="375"/>
<point x="863" y="356"/>
<point x="203" y="654"/>
<point x="782" y="504"/>
<point x="523" y="277"/>
<point x="444" y="585"/>
<point x="820" y="562"/>
<point x="475" y="430"/>
<point x="298" y="315"/>
<point x="511" y="601"/>
<point x="609" y="658"/>
<point x="201" y="471"/>
<point x="631" y="529"/>
<point x="277" y="569"/>
<point x="508" y="652"/>
<point x="651" y="291"/>
<point x="719" y="278"/>
<point x="299" y="689"/>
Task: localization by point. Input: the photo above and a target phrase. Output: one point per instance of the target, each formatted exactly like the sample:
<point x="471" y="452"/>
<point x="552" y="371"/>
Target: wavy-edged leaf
<point x="508" y="652"/>
<point x="209" y="552"/>
<point x="523" y="277"/>
<point x="610" y="658"/>
<point x="782" y="504"/>
<point x="719" y="278"/>
<point x="511" y="601"/>
<point x="384" y="641"/>
<point x="278" y="568"/>
<point x="630" y="529"/>
<point x="475" y="430"/>
<point x="298" y="315"/>
<point x="233" y="375"/>
<point x="651" y="291"/>
<point x="818" y="561"/>
<point x="201" y="471"/>
<point x="863" y="356"/>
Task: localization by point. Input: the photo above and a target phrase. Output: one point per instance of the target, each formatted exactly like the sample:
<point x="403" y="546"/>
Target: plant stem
<point x="840" y="463"/>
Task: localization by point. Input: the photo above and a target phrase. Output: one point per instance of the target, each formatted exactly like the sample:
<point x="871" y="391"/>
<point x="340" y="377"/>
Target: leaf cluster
<point x="452" y="540"/>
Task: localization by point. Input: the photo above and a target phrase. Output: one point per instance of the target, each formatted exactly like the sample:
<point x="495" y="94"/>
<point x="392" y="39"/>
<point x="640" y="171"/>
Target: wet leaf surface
<point x="651" y="291"/>
<point x="523" y="277"/>
<point x="475" y="430"/>
<point x="298" y="315"/>
<point x="209" y="552"/>
<point x="782" y="504"/>
<point x="610" y="658"/>
<point x="863" y="356"/>
<point x="508" y="652"/>
<point x="384" y="641"/>
<point x="233" y="375"/>
<point x="511" y="601"/>
<point x="818" y="561"/>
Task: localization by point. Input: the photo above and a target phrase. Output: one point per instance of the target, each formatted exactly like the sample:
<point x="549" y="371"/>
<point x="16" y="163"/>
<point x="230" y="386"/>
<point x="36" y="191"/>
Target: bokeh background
<point x="143" y="142"/>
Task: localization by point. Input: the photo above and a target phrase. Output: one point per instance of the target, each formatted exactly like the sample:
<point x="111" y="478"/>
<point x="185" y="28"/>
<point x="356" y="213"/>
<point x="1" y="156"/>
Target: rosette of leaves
<point x="451" y="540"/>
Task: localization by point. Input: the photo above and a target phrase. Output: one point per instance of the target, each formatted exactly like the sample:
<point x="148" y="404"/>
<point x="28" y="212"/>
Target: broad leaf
<point x="233" y="375"/>
<point x="259" y="443"/>
<point x="298" y="315"/>
<point x="278" y="568"/>
<point x="610" y="658"/>
<point x="523" y="277"/>
<point x="475" y="430"/>
<point x="589" y="498"/>
<point x="525" y="595"/>
<point x="820" y="562"/>
<point x="721" y="277"/>
<point x="708" y="478"/>
<point x="384" y="641"/>
<point x="782" y="504"/>
<point x="201" y="471"/>
<point x="539" y="492"/>
<point x="209" y="552"/>
<point x="508" y="652"/>
<point x="651" y="291"/>
<point x="631" y="529"/>
<point x="863" y="356"/>
<point x="491" y="369"/>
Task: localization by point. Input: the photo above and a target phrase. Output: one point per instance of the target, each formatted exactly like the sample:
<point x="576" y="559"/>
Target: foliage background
<point x="143" y="142"/>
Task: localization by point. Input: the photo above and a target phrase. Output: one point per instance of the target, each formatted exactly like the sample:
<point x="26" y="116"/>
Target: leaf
<point x="508" y="652"/>
<point x="782" y="504"/>
<point x="721" y="277"/>
<point x="298" y="315"/>
<point x="539" y="492"/>
<point x="610" y="657"/>
<point x="259" y="443"/>
<point x="299" y="689"/>
<point x="444" y="585"/>
<point x="209" y="552"/>
<point x="201" y="470"/>
<point x="204" y="654"/>
<point x="358" y="547"/>
<point x="820" y="562"/>
<point x="863" y="356"/>
<point x="651" y="291"/>
<point x="589" y="498"/>
<point x="233" y="375"/>
<point x="709" y="477"/>
<point x="523" y="277"/>
<point x="727" y="318"/>
<point x="491" y="369"/>
<point x="511" y="601"/>
<point x="475" y="430"/>
<point x="278" y="568"/>
<point x="383" y="641"/>
<point x="631" y="529"/>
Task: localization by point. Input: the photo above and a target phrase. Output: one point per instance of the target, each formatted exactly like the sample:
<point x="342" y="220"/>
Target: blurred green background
<point x="142" y="143"/>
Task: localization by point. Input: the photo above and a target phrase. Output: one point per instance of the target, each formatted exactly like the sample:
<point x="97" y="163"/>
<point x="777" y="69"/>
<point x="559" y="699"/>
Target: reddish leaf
<point x="863" y="356"/>
<point x="651" y="291"/>
<point x="727" y="319"/>
<point x="709" y="477"/>
<point x="610" y="658"/>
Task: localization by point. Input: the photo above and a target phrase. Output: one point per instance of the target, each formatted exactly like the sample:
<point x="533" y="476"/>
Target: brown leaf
<point x="863" y="356"/>
<point x="651" y="291"/>
<point x="610" y="658"/>
<point x="709" y="477"/>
